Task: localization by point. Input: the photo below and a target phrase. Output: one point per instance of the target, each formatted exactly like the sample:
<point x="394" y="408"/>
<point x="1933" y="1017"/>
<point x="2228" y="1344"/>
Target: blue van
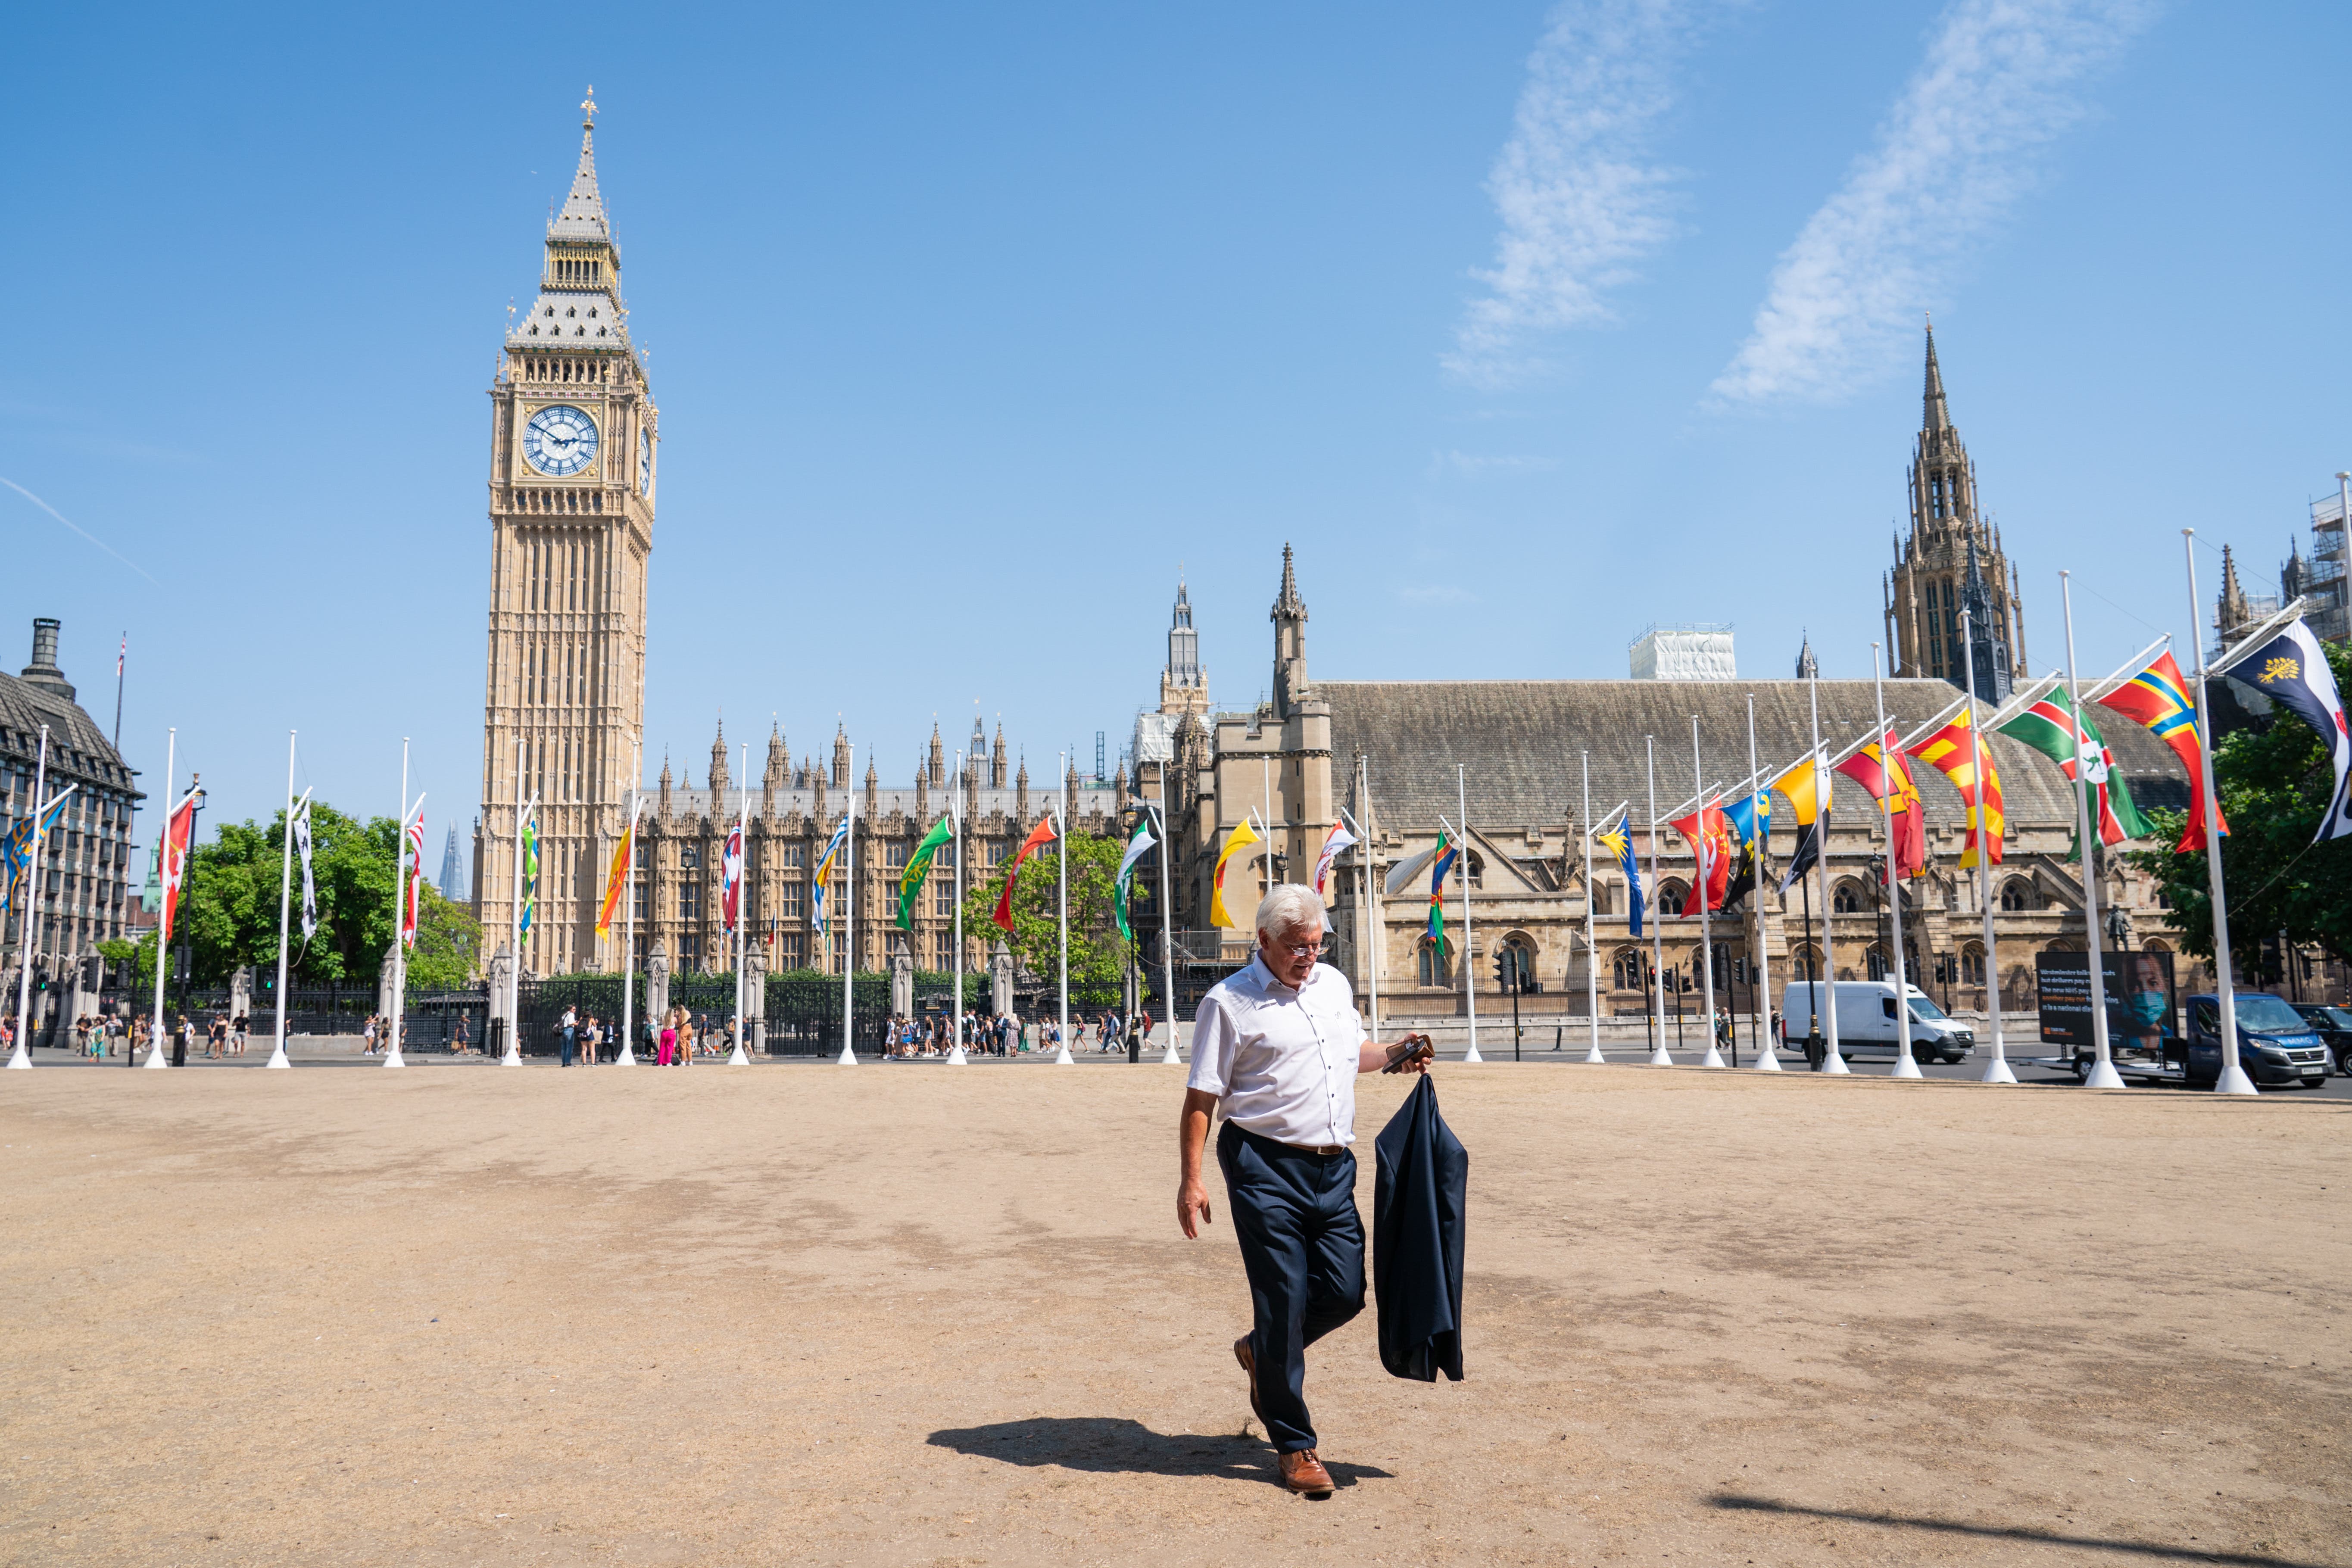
<point x="2277" y="1045"/>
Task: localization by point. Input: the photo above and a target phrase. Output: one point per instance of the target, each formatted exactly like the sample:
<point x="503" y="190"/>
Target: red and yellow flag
<point x="619" y="876"/>
<point x="1869" y="767"/>
<point x="1708" y="833"/>
<point x="1949" y="751"/>
<point x="1039" y="837"/>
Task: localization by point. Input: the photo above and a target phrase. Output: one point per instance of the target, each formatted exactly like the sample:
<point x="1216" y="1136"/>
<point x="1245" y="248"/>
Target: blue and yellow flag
<point x="1619" y="843"/>
<point x="821" y="883"/>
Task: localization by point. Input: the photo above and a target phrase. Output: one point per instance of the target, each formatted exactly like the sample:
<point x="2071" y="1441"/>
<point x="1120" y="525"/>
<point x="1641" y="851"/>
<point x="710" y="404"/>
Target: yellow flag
<point x="619" y="876"/>
<point x="1797" y="784"/>
<point x="1240" y="839"/>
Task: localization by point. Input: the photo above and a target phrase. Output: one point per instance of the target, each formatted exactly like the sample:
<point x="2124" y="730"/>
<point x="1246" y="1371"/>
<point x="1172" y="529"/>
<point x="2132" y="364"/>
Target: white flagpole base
<point x="2104" y="1076"/>
<point x="1997" y="1071"/>
<point x="1169" y="1059"/>
<point x="627" y="1059"/>
<point x="1594" y="1057"/>
<point x="277" y="1057"/>
<point x="1472" y="1054"/>
<point x="19" y="1060"/>
<point x="1063" y="1058"/>
<point x="2234" y="1081"/>
<point x="158" y="1056"/>
<point x="738" y="1060"/>
<point x="1834" y="1065"/>
<point x="392" y="1058"/>
<point x="513" y="1058"/>
<point x="956" y="1057"/>
<point x="1767" y="1059"/>
<point x="1714" y="1058"/>
<point x="848" y="1058"/>
<point x="1658" y="1058"/>
<point x="1907" y="1066"/>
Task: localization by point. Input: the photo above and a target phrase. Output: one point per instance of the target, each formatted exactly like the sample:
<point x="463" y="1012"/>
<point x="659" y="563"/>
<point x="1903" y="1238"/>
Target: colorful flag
<point x="301" y="829"/>
<point x="1745" y="815"/>
<point x="413" y="876"/>
<point x="1136" y="848"/>
<point x="1620" y="844"/>
<point x="918" y="865"/>
<point x="2291" y="671"/>
<point x="2050" y="727"/>
<point x="1441" y="861"/>
<point x="1039" y="837"/>
<point x="1952" y="751"/>
<point x="1807" y="786"/>
<point x="1239" y="839"/>
<point x="1334" y="842"/>
<point x="2156" y="699"/>
<point x="529" y="906"/>
<point x="1401" y="874"/>
<point x="1708" y="833"/>
<point x="616" y="878"/>
<point x="181" y="828"/>
<point x="1893" y="787"/>
<point x="16" y="859"/>
<point x="821" y="883"/>
<point x="730" y="877"/>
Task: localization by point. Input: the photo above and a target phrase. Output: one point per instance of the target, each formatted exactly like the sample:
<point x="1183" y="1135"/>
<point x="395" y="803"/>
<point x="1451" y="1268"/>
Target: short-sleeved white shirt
<point x="1282" y="1063"/>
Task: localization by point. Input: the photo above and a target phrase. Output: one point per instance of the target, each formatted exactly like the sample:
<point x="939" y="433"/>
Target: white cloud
<point x="1480" y="465"/>
<point x="2001" y="81"/>
<point x="1580" y="196"/>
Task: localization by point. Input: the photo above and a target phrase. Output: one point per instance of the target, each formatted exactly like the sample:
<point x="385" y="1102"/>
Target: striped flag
<point x="1336" y="840"/>
<point x="530" y="890"/>
<point x="2049" y="726"/>
<point x="821" y="883"/>
<point x="2156" y="699"/>
<point x="1950" y="753"/>
<point x="1137" y="847"/>
<point x="1442" y="861"/>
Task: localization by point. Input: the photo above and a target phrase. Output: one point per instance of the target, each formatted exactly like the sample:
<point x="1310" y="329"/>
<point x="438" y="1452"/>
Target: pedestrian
<point x="459" y="1046"/>
<point x="1143" y="1026"/>
<point x="686" y="1034"/>
<point x="239" y="1027"/>
<point x="216" y="1039"/>
<point x="570" y="1037"/>
<point x="668" y="1042"/>
<point x="588" y="1038"/>
<point x="367" y="1036"/>
<point x="1276" y="1049"/>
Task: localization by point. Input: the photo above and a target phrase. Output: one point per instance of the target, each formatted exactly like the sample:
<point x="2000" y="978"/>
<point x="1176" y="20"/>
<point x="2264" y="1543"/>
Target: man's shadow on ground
<point x="1116" y="1445"/>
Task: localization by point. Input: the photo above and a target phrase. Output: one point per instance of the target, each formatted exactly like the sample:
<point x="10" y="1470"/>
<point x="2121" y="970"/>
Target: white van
<point x="1866" y="1022"/>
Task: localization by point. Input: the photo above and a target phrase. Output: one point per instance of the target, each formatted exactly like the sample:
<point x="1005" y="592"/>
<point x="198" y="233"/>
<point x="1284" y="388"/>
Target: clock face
<point x="645" y="462"/>
<point x="559" y="441"/>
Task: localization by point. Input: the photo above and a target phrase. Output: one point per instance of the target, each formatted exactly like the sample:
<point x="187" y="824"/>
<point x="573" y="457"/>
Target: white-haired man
<point x="1277" y="1048"/>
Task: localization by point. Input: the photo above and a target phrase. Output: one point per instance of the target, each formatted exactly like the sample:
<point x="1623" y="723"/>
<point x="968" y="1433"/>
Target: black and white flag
<point x="310" y="889"/>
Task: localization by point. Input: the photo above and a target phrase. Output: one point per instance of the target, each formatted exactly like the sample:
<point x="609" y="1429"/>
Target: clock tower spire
<point x="573" y="436"/>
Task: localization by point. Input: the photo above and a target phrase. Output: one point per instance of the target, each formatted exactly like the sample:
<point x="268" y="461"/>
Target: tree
<point x="1098" y="953"/>
<point x="2275" y="781"/>
<point x="228" y="908"/>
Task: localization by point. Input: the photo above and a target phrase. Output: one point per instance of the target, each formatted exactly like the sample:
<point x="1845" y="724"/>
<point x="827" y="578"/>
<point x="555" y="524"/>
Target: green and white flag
<point x="1134" y="848"/>
<point x="2049" y="727"/>
<point x="918" y="865"/>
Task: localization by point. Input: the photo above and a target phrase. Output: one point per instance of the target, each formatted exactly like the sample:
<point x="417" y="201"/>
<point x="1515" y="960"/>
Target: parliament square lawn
<point x="917" y="1315"/>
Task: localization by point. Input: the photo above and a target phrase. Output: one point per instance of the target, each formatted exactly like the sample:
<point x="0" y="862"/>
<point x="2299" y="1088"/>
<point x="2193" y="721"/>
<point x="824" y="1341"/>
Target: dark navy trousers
<point x="1303" y="1248"/>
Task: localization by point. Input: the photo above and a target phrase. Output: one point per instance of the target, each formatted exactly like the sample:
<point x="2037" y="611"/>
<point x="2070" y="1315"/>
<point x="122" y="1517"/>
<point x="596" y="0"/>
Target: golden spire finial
<point x="588" y="108"/>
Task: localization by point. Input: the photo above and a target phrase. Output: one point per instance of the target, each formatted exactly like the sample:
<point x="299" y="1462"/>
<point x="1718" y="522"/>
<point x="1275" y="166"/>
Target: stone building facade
<point x="86" y="894"/>
<point x="1389" y="752"/>
<point x="1951" y="561"/>
<point x="574" y="436"/>
<point x="794" y="809"/>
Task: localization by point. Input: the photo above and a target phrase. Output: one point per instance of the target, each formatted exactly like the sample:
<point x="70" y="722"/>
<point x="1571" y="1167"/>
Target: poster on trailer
<point x="2142" y="1011"/>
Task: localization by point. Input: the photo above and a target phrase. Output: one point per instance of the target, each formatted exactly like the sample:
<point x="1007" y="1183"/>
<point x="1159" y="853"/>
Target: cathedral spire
<point x="1937" y="413"/>
<point x="1807" y="667"/>
<point x="582" y="217"/>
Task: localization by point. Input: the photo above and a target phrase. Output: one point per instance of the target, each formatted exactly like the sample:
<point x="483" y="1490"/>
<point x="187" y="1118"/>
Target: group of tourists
<point x="1008" y="1034"/>
<point x="682" y="1034"/>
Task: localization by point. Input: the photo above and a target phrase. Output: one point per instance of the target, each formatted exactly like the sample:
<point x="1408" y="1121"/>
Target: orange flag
<point x="1039" y="837"/>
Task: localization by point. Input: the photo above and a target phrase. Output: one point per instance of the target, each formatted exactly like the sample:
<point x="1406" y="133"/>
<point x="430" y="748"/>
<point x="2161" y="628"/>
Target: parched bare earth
<point x="908" y="1315"/>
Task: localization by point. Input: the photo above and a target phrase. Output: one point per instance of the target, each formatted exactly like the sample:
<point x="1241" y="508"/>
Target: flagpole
<point x="2102" y="1074"/>
<point x="156" y="1055"/>
<point x="848" y="1057"/>
<point x="1469" y="944"/>
<point x="741" y="1059"/>
<point x="400" y="917"/>
<point x="1714" y="1057"/>
<point x="1760" y="806"/>
<point x="21" y="1058"/>
<point x="512" y="1056"/>
<point x="956" y="1057"/>
<point x="285" y="893"/>
<point x="1169" y="1057"/>
<point x="1371" y="890"/>
<point x="1658" y="1057"/>
<point x="1062" y="911"/>
<point x="1833" y="1058"/>
<point x="1591" y="958"/>
<point x="1996" y="1070"/>
<point x="2233" y="1079"/>
<point x="1905" y="1065"/>
<point x="628" y="1056"/>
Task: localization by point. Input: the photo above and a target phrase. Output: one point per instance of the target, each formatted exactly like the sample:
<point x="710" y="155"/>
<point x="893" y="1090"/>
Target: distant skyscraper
<point x="453" y="869"/>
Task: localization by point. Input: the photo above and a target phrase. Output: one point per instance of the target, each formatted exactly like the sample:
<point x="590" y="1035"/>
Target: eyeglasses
<point x="1307" y="950"/>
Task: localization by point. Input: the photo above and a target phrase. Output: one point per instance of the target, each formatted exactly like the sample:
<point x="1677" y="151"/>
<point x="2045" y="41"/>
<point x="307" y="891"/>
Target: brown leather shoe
<point x="1249" y="1368"/>
<point x="1304" y="1473"/>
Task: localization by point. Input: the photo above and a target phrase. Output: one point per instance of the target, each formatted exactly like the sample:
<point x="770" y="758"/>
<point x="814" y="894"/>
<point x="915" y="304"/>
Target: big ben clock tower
<point x="573" y="440"/>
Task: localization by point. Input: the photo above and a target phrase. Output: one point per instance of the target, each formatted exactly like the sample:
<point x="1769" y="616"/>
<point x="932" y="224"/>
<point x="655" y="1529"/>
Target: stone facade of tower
<point x="1952" y="560"/>
<point x="574" y="437"/>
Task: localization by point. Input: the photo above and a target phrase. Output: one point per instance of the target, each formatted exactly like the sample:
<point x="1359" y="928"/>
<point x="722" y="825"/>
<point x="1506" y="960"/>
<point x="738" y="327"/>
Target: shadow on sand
<point x="2010" y="1533"/>
<point x="1109" y="1445"/>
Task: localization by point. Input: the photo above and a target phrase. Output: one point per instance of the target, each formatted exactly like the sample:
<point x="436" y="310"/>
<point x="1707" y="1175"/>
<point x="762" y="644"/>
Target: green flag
<point x="918" y="865"/>
<point x="1135" y="849"/>
<point x="2048" y="727"/>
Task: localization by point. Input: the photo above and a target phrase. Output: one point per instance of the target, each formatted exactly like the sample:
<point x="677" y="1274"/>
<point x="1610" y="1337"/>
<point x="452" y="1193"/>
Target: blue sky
<point x="1527" y="325"/>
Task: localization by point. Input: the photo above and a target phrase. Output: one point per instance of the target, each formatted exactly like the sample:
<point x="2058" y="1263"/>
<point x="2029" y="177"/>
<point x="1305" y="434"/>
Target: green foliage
<point x="132" y="962"/>
<point x="1098" y="953"/>
<point x="2274" y="787"/>
<point x="228" y="909"/>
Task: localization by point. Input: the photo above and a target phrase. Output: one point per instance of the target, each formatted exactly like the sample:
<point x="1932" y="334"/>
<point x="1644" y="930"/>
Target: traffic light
<point x="1503" y="970"/>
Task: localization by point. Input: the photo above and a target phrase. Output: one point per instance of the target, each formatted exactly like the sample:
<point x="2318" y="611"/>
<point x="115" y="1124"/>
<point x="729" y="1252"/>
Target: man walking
<point x="1277" y="1048"/>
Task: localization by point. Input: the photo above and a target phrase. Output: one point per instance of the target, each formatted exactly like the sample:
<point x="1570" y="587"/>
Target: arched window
<point x="1518" y="956"/>
<point x="1805" y="961"/>
<point x="1848" y="899"/>
<point x="2155" y="944"/>
<point x="1972" y="965"/>
<point x="1626" y="974"/>
<point x="1599" y="894"/>
<point x="1670" y="897"/>
<point x="1477" y="870"/>
<point x="2017" y="896"/>
<point x="1874" y="962"/>
<point x="1430" y="965"/>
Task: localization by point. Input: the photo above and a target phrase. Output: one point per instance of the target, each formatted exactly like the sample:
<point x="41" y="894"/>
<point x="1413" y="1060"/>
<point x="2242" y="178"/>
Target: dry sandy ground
<point x="910" y="1316"/>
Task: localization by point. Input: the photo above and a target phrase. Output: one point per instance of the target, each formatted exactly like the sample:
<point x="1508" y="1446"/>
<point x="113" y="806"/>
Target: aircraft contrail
<point x="78" y="528"/>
